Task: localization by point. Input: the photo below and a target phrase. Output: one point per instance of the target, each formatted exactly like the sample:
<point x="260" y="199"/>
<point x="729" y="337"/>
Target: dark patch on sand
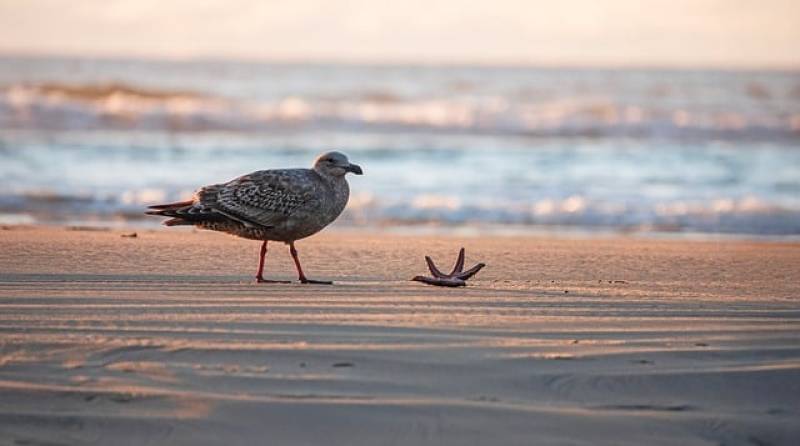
<point x="646" y="407"/>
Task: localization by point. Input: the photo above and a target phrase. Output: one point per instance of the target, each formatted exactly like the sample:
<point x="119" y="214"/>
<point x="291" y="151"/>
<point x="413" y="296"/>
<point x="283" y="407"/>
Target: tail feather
<point x="178" y="222"/>
<point x="184" y="213"/>
<point x="170" y="209"/>
<point x="169" y="206"/>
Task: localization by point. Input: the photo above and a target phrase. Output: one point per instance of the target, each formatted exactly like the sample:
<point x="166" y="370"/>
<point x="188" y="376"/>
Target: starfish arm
<point x="459" y="266"/>
<point x="470" y="272"/>
<point x="440" y="281"/>
<point x="434" y="270"/>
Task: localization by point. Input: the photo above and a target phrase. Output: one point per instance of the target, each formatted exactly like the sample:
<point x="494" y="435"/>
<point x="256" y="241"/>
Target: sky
<point x="663" y="33"/>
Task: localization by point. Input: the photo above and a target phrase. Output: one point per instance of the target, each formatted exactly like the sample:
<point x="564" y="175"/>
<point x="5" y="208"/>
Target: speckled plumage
<point x="282" y="205"/>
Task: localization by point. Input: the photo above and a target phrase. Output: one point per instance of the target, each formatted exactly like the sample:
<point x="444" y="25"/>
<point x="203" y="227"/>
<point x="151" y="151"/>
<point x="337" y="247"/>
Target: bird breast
<point x="310" y="220"/>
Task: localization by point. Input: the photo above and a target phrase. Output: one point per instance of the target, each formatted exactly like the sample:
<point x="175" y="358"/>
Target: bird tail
<point x="174" y="210"/>
<point x="162" y="209"/>
<point x="178" y="222"/>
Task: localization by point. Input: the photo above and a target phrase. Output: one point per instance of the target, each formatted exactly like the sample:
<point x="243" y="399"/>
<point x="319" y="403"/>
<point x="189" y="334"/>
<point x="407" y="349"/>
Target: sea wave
<point x="745" y="215"/>
<point x="54" y="106"/>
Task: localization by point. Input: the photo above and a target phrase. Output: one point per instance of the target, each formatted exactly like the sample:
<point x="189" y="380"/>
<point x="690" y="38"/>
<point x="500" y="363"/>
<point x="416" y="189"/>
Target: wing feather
<point x="264" y="198"/>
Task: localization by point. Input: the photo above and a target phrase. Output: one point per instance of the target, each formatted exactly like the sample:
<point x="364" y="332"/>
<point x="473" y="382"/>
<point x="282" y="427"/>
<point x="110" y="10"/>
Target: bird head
<point x="335" y="164"/>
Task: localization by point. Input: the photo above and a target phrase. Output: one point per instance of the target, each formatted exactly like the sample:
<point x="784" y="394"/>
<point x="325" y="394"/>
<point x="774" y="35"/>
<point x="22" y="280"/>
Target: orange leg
<point x="259" y="275"/>
<point x="302" y="276"/>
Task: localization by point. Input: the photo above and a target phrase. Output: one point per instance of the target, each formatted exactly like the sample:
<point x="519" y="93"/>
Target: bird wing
<point x="264" y="198"/>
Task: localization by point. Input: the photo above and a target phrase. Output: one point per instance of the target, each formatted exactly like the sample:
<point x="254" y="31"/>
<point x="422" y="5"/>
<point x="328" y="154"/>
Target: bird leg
<point x="457" y="277"/>
<point x="259" y="275"/>
<point x="302" y="277"/>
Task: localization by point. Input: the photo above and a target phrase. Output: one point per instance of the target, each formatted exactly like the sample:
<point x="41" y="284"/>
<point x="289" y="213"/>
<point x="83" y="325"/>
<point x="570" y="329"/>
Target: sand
<point x="164" y="338"/>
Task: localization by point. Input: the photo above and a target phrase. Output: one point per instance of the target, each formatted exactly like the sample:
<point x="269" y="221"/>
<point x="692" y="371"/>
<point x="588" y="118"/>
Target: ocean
<point x="522" y="149"/>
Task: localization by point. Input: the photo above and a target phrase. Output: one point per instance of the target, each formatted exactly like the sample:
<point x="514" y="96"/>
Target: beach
<point x="165" y="338"/>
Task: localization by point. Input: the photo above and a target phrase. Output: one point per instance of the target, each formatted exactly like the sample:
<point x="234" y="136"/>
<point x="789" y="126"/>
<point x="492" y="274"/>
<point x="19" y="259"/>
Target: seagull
<point x="282" y="205"/>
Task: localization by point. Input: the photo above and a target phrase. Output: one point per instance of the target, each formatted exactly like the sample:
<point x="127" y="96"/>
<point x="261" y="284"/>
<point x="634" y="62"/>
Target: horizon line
<point x="461" y="63"/>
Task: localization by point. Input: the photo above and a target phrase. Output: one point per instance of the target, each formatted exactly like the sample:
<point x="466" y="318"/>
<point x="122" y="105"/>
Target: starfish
<point x="457" y="277"/>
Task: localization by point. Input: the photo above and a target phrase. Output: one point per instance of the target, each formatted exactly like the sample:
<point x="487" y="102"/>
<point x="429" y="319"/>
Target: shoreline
<point x="453" y="231"/>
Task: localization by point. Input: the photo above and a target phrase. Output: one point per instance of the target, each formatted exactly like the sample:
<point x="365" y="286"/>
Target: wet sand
<point x="164" y="338"/>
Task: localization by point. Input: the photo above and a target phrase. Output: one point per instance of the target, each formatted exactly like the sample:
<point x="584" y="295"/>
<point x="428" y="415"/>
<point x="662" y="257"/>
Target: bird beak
<point x="355" y="168"/>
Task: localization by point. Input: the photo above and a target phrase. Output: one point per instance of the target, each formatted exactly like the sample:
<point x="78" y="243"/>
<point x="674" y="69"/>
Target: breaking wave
<point x="747" y="215"/>
<point x="54" y="106"/>
<point x="697" y="151"/>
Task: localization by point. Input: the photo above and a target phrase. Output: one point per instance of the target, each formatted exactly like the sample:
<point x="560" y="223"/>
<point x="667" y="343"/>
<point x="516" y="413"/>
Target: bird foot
<point x="262" y="280"/>
<point x="457" y="277"/>
<point x="316" y="282"/>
